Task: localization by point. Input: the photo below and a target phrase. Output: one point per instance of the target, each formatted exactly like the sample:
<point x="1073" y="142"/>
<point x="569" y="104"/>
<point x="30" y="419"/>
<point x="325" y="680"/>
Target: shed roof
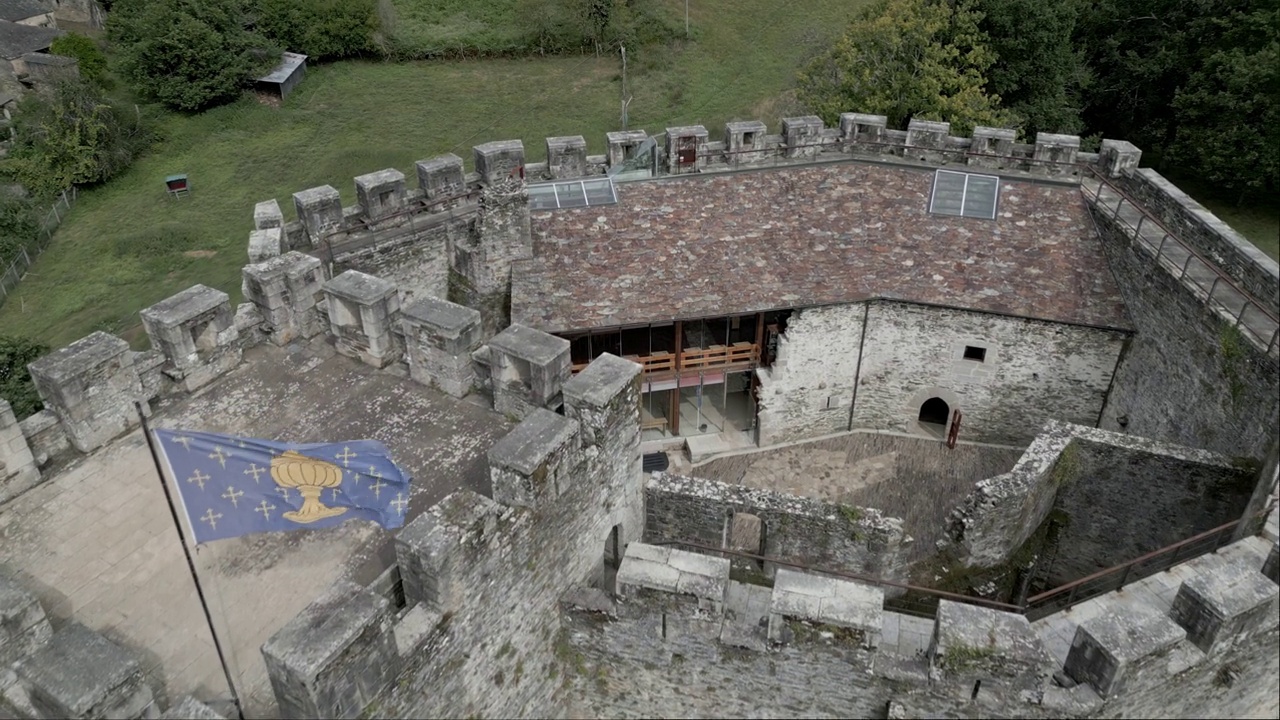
<point x="736" y="243"/>
<point x="289" y="62"/>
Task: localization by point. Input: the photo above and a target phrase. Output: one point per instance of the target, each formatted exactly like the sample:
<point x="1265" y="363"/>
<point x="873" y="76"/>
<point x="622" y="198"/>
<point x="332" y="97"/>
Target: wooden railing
<point x="716" y="356"/>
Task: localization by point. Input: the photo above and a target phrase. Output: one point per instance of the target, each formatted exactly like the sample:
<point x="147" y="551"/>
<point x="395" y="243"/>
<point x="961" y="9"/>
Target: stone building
<point x="522" y="333"/>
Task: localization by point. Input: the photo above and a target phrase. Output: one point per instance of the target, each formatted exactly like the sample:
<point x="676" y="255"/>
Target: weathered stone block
<point x="320" y="211"/>
<point x="856" y="607"/>
<point x="381" y="194"/>
<point x="1271" y="568"/>
<point x="287" y="291"/>
<point x="440" y="337"/>
<point x="686" y="148"/>
<point x="499" y="160"/>
<point x="190" y="709"/>
<point x="926" y="139"/>
<point x="1056" y="154"/>
<point x="1225" y="603"/>
<point x="267" y="215"/>
<point x="991" y="147"/>
<point x="363" y="313"/>
<point x="18" y="468"/>
<point x="529" y="369"/>
<point x="622" y="145"/>
<point x="335" y="657"/>
<point x="440" y="178"/>
<point x="430" y="553"/>
<point x="197" y="333"/>
<point x="1119" y="157"/>
<point x="803" y="135"/>
<point x="860" y="132"/>
<point x="80" y="674"/>
<point x="23" y="625"/>
<point x="673" y="581"/>
<point x="566" y="157"/>
<point x="1110" y="648"/>
<point x="973" y="644"/>
<point x="744" y="142"/>
<point x="534" y="463"/>
<point x="264" y="244"/>
<point x="91" y="386"/>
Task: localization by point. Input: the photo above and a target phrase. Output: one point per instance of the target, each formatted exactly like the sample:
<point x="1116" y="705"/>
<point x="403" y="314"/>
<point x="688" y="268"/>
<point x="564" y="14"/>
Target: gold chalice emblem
<point x="309" y="477"/>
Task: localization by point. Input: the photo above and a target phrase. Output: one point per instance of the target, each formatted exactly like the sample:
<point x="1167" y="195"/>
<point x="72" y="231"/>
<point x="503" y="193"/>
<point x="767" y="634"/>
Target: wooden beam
<point x="675" y="394"/>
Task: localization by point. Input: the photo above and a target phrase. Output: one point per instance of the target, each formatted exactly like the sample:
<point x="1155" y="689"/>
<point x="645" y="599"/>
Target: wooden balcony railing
<point x="716" y="356"/>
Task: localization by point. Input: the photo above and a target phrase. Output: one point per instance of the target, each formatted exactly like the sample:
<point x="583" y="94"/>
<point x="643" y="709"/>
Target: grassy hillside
<point x="126" y="246"/>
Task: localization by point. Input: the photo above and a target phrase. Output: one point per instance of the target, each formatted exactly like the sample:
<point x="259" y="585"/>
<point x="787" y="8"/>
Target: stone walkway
<point x="97" y="543"/>
<point x="1157" y="591"/>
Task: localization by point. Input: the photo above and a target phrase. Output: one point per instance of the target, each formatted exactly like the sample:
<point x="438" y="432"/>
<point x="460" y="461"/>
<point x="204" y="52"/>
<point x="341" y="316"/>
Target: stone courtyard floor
<point x="96" y="542"/>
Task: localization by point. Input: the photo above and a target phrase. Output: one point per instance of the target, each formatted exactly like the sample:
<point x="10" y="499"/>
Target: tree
<point x="19" y="224"/>
<point x="189" y="54"/>
<point x="1192" y="83"/>
<point x="321" y="29"/>
<point x="905" y="59"/>
<point x="72" y="136"/>
<point x="15" y="381"/>
<point x="1038" y="73"/>
<point x="89" y="57"/>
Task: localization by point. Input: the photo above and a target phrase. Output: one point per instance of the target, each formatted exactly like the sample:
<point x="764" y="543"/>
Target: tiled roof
<point x="711" y="245"/>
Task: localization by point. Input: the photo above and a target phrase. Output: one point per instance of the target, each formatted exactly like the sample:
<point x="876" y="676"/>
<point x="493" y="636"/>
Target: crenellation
<point x="19" y="470"/>
<point x="91" y="385"/>
<point x="267" y="215"/>
<point x="528" y="370"/>
<point x="265" y="244"/>
<point x="857" y="609"/>
<point x="196" y="331"/>
<point x="1056" y="154"/>
<point x="1119" y="157"/>
<point x="989" y="655"/>
<point x="534" y="463"/>
<point x="364" y="317"/>
<point x="320" y="212"/>
<point x="1224" y="603"/>
<point x="499" y="161"/>
<point x="1109" y="649"/>
<point x="440" y="338"/>
<point x="441" y="177"/>
<point x="622" y="145"/>
<point x="381" y="195"/>
<point x="566" y="157"/>
<point x="745" y="142"/>
<point x="802" y="136"/>
<point x="288" y="291"/>
<point x="992" y="147"/>
<point x="927" y="140"/>
<point x="687" y="149"/>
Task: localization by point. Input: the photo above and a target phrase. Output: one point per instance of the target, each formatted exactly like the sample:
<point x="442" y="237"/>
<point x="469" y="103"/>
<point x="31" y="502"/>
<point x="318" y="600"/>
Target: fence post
<point x="1209" y="298"/>
<point x="1163" y="239"/>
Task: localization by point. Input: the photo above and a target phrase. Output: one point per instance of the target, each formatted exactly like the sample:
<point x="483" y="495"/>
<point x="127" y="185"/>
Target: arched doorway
<point x="934" y="414"/>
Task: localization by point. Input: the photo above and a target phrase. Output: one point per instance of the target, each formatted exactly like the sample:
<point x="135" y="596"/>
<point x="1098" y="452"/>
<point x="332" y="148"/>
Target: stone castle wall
<point x="906" y="354"/>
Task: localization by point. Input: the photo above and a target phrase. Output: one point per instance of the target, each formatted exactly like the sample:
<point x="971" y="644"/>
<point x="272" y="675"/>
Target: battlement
<point x="678" y="621"/>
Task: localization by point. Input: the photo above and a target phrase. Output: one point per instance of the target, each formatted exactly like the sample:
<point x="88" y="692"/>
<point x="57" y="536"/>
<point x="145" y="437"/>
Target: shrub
<point x="73" y="137"/>
<point x="320" y="29"/>
<point x="92" y="63"/>
<point x="189" y="54"/>
<point x="19" y="224"/>
<point x="15" y="382"/>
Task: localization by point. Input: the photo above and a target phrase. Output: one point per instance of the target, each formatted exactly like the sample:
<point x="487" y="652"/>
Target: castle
<point x="709" y="299"/>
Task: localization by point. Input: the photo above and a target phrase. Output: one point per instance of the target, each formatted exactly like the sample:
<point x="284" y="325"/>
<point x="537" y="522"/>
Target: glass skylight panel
<point x="576" y="193"/>
<point x="964" y="195"/>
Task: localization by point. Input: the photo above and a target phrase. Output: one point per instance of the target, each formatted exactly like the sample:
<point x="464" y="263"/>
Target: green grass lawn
<point x="126" y="246"/>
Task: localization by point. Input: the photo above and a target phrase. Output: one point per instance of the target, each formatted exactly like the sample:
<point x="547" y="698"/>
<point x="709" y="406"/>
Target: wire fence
<point x="26" y="255"/>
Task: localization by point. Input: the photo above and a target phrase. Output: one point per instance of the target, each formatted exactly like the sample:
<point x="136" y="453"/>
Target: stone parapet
<point x="287" y="291"/>
<point x="364" y="313"/>
<point x="91" y="386"/>
<point x="197" y="333"/>
<point x="528" y="370"/>
<point x="440" y="338"/>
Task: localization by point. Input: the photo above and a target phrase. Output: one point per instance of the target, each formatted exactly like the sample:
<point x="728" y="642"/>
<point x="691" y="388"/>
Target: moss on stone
<point x="959" y="658"/>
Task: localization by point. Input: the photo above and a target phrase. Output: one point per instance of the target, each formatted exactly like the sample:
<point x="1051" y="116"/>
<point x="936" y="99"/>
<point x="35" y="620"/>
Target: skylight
<point x="571" y="194"/>
<point x="965" y="195"/>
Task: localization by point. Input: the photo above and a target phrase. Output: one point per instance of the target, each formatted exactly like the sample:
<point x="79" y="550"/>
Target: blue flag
<point x="232" y="486"/>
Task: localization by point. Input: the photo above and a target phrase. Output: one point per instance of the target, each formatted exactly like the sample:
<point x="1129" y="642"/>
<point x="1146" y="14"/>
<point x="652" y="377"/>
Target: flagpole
<point x="191" y="564"/>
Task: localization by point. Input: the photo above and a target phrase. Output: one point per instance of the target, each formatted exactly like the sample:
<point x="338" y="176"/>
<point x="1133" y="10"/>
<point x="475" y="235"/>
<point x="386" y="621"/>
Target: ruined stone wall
<point x="1115" y="497"/>
<point x="1121" y="501"/>
<point x="1033" y="371"/>
<point x="1187" y="376"/>
<point x="805" y="530"/>
<point x="808" y="391"/>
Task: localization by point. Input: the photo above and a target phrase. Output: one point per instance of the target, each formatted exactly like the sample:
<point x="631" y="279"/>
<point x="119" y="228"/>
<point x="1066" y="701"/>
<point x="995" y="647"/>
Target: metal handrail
<point x="1191" y="252"/>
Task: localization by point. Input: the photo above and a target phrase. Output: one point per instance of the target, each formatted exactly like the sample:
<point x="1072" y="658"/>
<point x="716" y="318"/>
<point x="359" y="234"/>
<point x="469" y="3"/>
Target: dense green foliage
<point x="1038" y="73"/>
<point x="73" y="136"/>
<point x="1193" y="83"/>
<point x="320" y="29"/>
<point x="92" y="62"/>
<point x="18" y="225"/>
<point x="905" y="59"/>
<point x="15" y="380"/>
<point x="188" y="54"/>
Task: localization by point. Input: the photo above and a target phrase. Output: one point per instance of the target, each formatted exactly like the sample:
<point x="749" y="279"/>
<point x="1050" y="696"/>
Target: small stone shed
<point x="281" y="81"/>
